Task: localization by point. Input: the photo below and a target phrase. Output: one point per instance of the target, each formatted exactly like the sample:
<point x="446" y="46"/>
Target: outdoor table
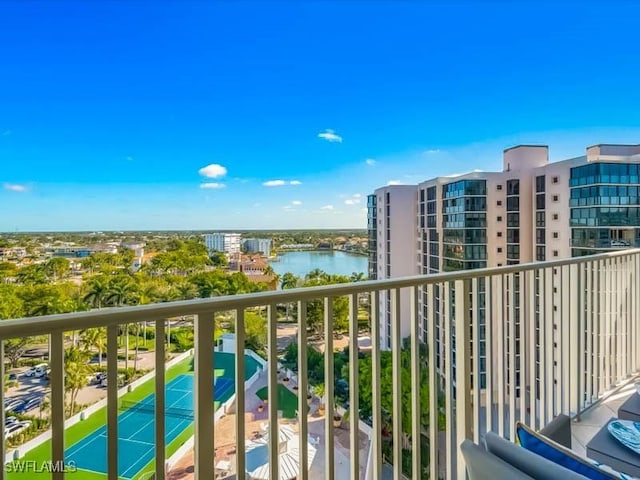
<point x="604" y="448"/>
<point x="630" y="409"/>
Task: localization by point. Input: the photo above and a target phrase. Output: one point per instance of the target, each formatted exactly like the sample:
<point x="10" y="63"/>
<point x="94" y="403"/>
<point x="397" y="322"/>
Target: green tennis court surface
<point x="136" y="431"/>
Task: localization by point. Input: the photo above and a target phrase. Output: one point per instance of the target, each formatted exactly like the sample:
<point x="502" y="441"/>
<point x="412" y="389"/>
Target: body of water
<point x="332" y="262"/>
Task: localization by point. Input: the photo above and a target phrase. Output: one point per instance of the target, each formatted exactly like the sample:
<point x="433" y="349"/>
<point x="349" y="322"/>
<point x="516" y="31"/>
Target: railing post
<point x="445" y="325"/>
<point x="376" y="405"/>
<point x="354" y="389"/>
<point x="112" y="401"/>
<point x="463" y="369"/>
<point x="329" y="456"/>
<point x="240" y="394"/>
<point x="303" y="389"/>
<point x="511" y="294"/>
<point x="433" y="383"/>
<point x="160" y="450"/>
<point x="475" y="366"/>
<point x="57" y="402"/>
<point x="204" y="448"/>
<point x="416" y="414"/>
<point x="272" y="389"/>
<point x="396" y="369"/>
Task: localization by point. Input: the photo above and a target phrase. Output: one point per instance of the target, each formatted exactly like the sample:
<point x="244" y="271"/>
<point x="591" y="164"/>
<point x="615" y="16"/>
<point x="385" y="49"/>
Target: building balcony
<point x="485" y="349"/>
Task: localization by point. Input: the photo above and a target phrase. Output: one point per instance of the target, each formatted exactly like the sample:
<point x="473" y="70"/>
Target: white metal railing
<point x="556" y="336"/>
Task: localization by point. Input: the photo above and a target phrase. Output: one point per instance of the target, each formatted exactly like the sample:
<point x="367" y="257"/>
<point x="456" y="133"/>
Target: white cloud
<point x="394" y="182"/>
<point x="274" y="183"/>
<point x="14" y="187"/>
<point x="281" y="183"/>
<point x="213" y="171"/>
<point x="296" y="202"/>
<point x="354" y="199"/>
<point x="257" y="204"/>
<point x="370" y="162"/>
<point x="129" y="158"/>
<point x="433" y="151"/>
<point x="327" y="207"/>
<point x="212" y="185"/>
<point x="330" y="136"/>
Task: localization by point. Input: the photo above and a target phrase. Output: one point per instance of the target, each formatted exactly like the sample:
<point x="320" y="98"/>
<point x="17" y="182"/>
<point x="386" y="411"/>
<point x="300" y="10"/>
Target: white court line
<point x="180" y="425"/>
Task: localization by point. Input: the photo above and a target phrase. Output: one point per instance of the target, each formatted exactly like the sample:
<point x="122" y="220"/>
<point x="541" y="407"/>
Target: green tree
<point x="357" y="277"/>
<point x="76" y="367"/>
<point x="11" y="305"/>
<point x="57" y="268"/>
<point x="14" y="349"/>
<point x="7" y="270"/>
<point x="97" y="291"/>
<point x="95" y="338"/>
<point x="219" y="259"/>
<point x="34" y="274"/>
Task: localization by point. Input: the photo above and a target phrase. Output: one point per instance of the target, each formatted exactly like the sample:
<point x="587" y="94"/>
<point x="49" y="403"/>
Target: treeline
<point x="182" y="272"/>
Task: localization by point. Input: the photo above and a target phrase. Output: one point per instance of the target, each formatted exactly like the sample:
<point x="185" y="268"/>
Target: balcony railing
<point x="554" y="337"/>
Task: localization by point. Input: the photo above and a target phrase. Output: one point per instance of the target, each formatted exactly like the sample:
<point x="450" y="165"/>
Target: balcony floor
<point x="594" y="419"/>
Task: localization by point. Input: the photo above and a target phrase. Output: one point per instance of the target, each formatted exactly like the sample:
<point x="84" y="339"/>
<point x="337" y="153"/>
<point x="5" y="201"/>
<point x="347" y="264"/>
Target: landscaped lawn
<point x="81" y="429"/>
<point x="287" y="401"/>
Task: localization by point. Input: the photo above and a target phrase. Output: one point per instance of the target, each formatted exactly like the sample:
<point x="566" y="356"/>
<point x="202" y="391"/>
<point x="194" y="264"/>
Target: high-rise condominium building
<point x="228" y="243"/>
<point x="531" y="211"/>
<point x="255" y="245"/>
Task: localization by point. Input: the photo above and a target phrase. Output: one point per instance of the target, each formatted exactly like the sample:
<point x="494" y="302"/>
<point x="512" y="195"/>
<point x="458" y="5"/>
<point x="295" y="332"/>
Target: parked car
<point x="16" y="428"/>
<point x="41" y="370"/>
<point x="30" y="373"/>
<point x="12" y="377"/>
<point x="11" y="403"/>
<point x="28" y="404"/>
<point x="9" y="421"/>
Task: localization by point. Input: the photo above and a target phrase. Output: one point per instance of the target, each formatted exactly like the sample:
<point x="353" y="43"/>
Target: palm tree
<point x="98" y="289"/>
<point x="357" y="277"/>
<point x="44" y="406"/>
<point x="76" y="367"/>
<point x="95" y="338"/>
<point x="289" y="280"/>
<point x="121" y="292"/>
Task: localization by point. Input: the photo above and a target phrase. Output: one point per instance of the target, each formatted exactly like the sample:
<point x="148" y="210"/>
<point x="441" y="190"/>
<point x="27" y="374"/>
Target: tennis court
<point x="136" y="431"/>
<point x="136" y="428"/>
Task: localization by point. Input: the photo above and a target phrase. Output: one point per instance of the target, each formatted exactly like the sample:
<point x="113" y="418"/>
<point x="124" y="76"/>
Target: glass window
<point x="513" y="187"/>
<point x="556" y="198"/>
<point x="540" y="203"/>
<point x="513" y="204"/>
<point x="540" y="183"/>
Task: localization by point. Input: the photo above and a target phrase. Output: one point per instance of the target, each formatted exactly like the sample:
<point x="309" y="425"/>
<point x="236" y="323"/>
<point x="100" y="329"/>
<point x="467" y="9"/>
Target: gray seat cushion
<point x="559" y="430"/>
<point x="481" y="465"/>
<point x="526" y="461"/>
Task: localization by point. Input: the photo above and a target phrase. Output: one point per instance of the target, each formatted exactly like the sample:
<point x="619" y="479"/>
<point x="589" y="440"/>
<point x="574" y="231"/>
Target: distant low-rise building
<point x="12" y="253"/>
<point x="138" y="252"/>
<point x="228" y="243"/>
<point x="258" y="245"/>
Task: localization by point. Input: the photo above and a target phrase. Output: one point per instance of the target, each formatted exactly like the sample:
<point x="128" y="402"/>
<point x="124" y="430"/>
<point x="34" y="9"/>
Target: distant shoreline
<point x="328" y="250"/>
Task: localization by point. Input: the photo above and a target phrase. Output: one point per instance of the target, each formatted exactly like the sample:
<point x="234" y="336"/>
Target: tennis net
<point x="151" y="408"/>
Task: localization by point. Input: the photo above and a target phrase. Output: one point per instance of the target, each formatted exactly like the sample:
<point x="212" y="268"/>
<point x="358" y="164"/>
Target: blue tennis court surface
<point x="136" y="429"/>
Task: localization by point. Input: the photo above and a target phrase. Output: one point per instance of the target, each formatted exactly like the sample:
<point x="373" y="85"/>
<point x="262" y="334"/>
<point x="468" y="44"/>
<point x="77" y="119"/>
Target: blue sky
<point x="110" y="110"/>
